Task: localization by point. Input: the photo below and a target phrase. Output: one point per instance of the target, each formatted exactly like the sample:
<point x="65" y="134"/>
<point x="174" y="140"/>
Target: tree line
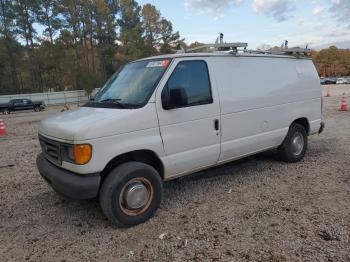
<point x="80" y="44"/>
<point x="55" y="45"/>
<point x="332" y="62"/>
<point x="329" y="62"/>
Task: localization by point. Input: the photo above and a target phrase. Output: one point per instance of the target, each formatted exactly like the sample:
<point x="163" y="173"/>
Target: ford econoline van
<point x="168" y="116"/>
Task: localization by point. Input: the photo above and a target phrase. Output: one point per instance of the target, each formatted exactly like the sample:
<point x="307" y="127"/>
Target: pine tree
<point x="169" y="40"/>
<point x="25" y="12"/>
<point x="151" y="19"/>
<point x="131" y="31"/>
<point x="104" y="18"/>
<point x="8" y="35"/>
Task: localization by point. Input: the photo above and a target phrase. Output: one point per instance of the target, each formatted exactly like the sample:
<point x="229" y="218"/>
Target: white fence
<point x="52" y="98"/>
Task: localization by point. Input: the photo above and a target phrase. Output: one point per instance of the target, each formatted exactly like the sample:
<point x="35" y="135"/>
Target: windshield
<point x="132" y="86"/>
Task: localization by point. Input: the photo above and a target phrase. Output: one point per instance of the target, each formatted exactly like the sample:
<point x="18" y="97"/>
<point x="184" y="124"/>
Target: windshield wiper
<point x="112" y="101"/>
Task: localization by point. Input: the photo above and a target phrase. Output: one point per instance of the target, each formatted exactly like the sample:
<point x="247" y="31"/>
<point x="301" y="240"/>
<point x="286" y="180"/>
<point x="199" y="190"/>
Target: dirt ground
<point x="256" y="209"/>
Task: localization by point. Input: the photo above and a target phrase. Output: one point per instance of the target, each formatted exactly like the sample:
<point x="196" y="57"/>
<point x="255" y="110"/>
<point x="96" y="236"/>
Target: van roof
<point x="223" y="54"/>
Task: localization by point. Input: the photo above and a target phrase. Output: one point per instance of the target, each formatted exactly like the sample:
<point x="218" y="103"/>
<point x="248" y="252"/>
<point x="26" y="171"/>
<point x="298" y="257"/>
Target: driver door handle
<point x="216" y="124"/>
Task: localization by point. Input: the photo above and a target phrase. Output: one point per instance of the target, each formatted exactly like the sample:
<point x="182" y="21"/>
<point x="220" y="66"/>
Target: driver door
<point x="18" y="104"/>
<point x="190" y="132"/>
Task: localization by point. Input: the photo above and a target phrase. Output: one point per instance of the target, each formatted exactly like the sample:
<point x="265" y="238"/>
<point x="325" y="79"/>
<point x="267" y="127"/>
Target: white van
<point x="343" y="80"/>
<point x="168" y="116"/>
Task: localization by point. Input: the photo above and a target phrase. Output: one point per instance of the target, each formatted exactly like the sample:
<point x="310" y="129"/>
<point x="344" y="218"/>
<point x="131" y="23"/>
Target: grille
<point x="51" y="149"/>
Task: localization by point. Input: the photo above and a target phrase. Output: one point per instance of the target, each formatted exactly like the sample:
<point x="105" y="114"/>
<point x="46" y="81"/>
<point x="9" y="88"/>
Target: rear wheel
<point x="294" y="146"/>
<point x="131" y="194"/>
<point x="6" y="111"/>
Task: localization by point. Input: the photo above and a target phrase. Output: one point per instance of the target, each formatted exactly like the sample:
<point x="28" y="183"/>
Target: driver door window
<point x="193" y="77"/>
<point x="18" y="102"/>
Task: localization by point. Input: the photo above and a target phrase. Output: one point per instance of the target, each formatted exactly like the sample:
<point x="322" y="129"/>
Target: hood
<point x="87" y="123"/>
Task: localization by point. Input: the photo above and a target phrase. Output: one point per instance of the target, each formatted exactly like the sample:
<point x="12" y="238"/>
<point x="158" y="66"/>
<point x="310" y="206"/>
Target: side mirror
<point x="174" y="98"/>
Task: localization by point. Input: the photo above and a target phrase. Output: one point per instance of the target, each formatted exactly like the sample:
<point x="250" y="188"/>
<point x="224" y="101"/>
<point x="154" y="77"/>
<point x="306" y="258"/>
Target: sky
<point x="317" y="23"/>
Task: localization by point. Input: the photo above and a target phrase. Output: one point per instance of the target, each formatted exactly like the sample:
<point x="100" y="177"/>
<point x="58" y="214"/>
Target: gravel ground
<point x="255" y="209"/>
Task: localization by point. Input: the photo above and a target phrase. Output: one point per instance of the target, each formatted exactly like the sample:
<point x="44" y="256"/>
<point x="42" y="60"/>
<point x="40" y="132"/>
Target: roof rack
<point x="232" y="48"/>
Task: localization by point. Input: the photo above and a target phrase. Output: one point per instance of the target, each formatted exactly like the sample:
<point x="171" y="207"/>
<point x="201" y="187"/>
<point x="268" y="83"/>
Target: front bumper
<point x="68" y="183"/>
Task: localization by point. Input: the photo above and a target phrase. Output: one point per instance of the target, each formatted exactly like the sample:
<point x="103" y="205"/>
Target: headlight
<point x="77" y="154"/>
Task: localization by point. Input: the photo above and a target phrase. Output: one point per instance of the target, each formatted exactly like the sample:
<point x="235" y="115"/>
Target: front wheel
<point x="6" y="111"/>
<point x="294" y="146"/>
<point x="131" y="194"/>
<point x="36" y="109"/>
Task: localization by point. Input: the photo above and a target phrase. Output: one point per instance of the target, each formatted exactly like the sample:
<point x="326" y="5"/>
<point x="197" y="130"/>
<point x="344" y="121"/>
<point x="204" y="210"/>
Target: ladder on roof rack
<point x="294" y="51"/>
<point x="218" y="47"/>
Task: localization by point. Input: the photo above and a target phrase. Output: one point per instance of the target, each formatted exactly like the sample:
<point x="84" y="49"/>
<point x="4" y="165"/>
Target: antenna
<point x="284" y="44"/>
<point x="221" y="35"/>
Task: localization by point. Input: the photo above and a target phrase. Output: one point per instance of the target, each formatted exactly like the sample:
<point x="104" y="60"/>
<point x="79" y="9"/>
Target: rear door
<point x="27" y="104"/>
<point x="190" y="133"/>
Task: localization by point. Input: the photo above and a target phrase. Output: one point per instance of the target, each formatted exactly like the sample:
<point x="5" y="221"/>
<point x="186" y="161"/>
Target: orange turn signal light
<point x="82" y="154"/>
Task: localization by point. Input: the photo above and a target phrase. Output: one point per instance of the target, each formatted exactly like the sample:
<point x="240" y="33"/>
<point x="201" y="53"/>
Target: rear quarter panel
<point x="260" y="98"/>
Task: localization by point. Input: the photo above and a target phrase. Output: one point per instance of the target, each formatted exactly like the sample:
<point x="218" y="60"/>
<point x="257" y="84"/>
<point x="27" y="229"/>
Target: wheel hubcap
<point x="297" y="143"/>
<point x="136" y="196"/>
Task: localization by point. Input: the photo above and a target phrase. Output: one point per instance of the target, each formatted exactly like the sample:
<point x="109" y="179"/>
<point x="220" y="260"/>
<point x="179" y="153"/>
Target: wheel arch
<point x="144" y="156"/>
<point x="304" y="122"/>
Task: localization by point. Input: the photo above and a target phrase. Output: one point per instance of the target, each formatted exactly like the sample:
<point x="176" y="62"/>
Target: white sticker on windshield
<point x="154" y="64"/>
<point x="163" y="63"/>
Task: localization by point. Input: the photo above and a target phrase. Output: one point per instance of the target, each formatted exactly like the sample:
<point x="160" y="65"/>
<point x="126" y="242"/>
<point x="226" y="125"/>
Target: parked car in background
<point x="343" y="80"/>
<point x="328" y="81"/>
<point x="21" y="104"/>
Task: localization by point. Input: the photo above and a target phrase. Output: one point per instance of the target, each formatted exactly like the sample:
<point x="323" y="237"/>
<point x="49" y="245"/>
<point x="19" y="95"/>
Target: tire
<point x="36" y="109"/>
<point x="294" y="146"/>
<point x="123" y="179"/>
<point x="6" y="111"/>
